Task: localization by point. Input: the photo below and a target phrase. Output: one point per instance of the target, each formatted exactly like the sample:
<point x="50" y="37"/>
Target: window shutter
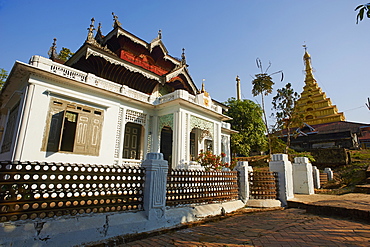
<point x="56" y="115"/>
<point x="95" y="135"/>
<point x="82" y="134"/>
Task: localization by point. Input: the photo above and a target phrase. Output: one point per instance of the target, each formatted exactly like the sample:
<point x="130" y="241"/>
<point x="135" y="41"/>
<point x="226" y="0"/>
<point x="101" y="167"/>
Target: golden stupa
<point x="313" y="104"/>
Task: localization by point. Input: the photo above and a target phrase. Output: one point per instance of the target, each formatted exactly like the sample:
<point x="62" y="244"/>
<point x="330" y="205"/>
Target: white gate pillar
<point x="156" y="169"/>
<point x="316" y="177"/>
<point x="302" y="176"/>
<point x="243" y="168"/>
<point x="283" y="167"/>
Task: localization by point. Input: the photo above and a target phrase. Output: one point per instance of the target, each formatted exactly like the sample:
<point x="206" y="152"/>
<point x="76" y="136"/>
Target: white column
<point x="155" y="135"/>
<point x="177" y="144"/>
<point x="283" y="167"/>
<point x="182" y="138"/>
<point x="24" y="112"/>
<point x="302" y="176"/>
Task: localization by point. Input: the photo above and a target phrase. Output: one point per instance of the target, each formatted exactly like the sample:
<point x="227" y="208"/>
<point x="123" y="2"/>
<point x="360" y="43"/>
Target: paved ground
<point x="289" y="227"/>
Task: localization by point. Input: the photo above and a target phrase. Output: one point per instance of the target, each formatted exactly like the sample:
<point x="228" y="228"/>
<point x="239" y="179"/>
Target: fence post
<point x="302" y="176"/>
<point x="283" y="167"/>
<point x="243" y="168"/>
<point x="156" y="170"/>
<point x="316" y="177"/>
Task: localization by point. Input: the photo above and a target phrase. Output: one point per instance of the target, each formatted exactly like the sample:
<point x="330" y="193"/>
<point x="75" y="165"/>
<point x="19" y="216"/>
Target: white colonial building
<point x="116" y="99"/>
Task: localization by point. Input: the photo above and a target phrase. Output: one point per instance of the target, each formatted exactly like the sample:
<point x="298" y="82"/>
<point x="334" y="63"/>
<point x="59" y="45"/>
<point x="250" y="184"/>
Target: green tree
<point x="361" y="11"/>
<point x="65" y="54"/>
<point x="247" y="119"/>
<point x="263" y="85"/>
<point x="3" y="76"/>
<point x="287" y="114"/>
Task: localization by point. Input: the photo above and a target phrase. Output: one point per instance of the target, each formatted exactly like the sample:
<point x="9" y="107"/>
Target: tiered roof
<point x="124" y="58"/>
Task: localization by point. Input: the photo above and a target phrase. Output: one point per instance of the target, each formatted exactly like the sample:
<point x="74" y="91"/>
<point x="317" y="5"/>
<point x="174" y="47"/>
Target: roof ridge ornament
<point x="183" y="58"/>
<point x="99" y="35"/>
<point x="90" y="34"/>
<point x="116" y="22"/>
<point x="99" y="29"/>
<point x="159" y="34"/>
<point x="53" y="50"/>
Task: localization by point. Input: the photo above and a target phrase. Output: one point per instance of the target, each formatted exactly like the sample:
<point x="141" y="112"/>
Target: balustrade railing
<point x="30" y="190"/>
<point x="68" y="72"/>
<point x="263" y="185"/>
<point x="188" y="187"/>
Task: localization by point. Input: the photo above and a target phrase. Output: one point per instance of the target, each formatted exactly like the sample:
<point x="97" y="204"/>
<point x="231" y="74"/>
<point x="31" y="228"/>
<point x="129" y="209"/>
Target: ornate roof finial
<point x="99" y="35"/>
<point x="53" y="50"/>
<point x="203" y="89"/>
<point x="116" y="22"/>
<point x="183" y="58"/>
<point x="159" y="34"/>
<point x="90" y="34"/>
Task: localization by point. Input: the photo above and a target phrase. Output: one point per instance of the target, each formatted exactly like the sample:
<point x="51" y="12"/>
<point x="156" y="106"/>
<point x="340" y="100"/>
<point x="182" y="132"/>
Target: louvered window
<point x="72" y="127"/>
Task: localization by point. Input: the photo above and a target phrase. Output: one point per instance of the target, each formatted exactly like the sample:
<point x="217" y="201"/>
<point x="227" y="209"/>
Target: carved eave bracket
<point x="207" y="127"/>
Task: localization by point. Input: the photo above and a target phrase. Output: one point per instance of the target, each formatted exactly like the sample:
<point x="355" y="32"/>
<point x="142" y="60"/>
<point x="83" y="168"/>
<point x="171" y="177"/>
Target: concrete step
<point x="363" y="188"/>
<point x="352" y="205"/>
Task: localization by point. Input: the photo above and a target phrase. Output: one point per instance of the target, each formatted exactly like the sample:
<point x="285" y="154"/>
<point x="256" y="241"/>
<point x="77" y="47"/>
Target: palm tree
<point x="262" y="85"/>
<point x="361" y="11"/>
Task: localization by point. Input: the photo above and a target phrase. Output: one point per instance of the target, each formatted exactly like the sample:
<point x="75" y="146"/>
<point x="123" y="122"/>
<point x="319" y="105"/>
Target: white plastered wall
<point x="43" y="90"/>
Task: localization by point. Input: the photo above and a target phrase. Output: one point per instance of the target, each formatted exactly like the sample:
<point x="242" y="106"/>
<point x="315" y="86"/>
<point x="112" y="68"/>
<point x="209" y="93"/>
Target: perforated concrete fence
<point x="188" y="187"/>
<point x="30" y="190"/>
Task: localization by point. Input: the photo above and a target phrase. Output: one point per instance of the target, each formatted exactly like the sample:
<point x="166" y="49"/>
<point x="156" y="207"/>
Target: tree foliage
<point x="247" y="119"/>
<point x="3" y="76"/>
<point x="361" y="11"/>
<point x="287" y="113"/>
<point x="263" y="85"/>
<point x="65" y="54"/>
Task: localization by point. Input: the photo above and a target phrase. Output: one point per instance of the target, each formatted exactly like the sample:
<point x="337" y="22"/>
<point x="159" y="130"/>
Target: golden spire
<point x="308" y="68"/>
<point x="313" y="104"/>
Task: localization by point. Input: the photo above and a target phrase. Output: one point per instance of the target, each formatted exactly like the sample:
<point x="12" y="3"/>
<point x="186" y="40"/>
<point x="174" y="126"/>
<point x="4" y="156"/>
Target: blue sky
<point x="222" y="39"/>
